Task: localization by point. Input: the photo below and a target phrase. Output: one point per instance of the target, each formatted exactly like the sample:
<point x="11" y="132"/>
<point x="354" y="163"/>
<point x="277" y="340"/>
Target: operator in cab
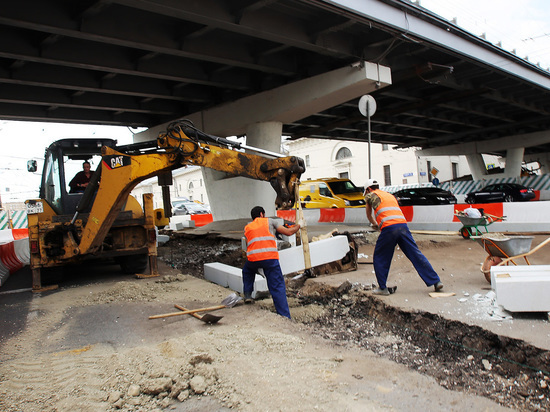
<point x="81" y="179"/>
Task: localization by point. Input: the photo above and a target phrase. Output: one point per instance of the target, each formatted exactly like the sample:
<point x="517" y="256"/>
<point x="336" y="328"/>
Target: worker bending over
<point x="393" y="231"/>
<point x="261" y="253"/>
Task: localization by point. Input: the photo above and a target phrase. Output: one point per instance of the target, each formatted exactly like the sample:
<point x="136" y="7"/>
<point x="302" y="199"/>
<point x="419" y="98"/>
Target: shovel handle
<point x="187" y="312"/>
<point x="185" y="309"/>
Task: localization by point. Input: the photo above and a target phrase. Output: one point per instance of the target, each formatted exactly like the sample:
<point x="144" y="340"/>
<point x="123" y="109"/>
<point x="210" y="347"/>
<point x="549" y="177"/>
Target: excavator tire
<point x="133" y="264"/>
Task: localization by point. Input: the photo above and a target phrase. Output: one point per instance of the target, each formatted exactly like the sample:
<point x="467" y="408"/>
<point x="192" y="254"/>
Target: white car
<point x="183" y="207"/>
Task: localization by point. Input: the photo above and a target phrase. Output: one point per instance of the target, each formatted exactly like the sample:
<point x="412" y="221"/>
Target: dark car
<point x="501" y="192"/>
<point x="424" y="196"/>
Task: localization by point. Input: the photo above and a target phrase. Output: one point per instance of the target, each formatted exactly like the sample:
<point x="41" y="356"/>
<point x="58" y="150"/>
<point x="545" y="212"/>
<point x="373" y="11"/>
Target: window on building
<point x="387" y="175"/>
<point x="307" y="161"/>
<point x="201" y="182"/>
<point x="343" y="175"/>
<point x="385" y="146"/>
<point x="454" y="167"/>
<point x="343" y="153"/>
<point x="190" y="185"/>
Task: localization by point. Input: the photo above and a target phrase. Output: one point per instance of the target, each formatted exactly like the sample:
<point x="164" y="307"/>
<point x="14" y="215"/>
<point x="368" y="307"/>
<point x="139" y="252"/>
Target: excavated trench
<point x="459" y="356"/>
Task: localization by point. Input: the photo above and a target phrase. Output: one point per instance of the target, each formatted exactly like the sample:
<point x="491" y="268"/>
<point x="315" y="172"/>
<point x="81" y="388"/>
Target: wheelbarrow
<point x="504" y="249"/>
<point x="471" y="226"/>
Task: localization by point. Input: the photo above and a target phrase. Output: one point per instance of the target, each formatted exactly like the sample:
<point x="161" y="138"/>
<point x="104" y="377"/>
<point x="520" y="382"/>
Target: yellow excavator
<point x="106" y="221"/>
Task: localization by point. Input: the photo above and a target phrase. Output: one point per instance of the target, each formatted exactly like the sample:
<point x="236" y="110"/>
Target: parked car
<point x="424" y="196"/>
<point x="182" y="207"/>
<point x="501" y="192"/>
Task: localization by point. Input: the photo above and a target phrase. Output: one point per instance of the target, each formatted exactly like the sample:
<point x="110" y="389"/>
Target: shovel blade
<point x="231" y="300"/>
<point x="208" y="318"/>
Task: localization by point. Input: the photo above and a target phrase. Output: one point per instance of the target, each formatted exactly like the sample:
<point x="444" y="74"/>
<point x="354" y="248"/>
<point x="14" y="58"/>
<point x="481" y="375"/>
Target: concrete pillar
<point x="477" y="166"/>
<point x="514" y="159"/>
<point x="261" y="117"/>
<point x="234" y="197"/>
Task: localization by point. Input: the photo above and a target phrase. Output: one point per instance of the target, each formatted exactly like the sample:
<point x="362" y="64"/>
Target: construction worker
<point x="261" y="253"/>
<point x="393" y="231"/>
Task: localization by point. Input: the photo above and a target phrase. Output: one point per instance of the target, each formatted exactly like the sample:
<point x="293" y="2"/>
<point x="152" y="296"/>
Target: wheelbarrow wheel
<point x="486" y="266"/>
<point x="464" y="232"/>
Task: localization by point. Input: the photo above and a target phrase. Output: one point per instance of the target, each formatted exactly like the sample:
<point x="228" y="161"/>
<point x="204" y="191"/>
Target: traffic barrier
<point x="519" y="216"/>
<point x="190" y="220"/>
<point x="14" y="251"/>
<point x="203" y="219"/>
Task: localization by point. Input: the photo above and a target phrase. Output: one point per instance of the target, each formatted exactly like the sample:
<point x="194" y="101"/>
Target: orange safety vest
<point x="260" y="243"/>
<point x="388" y="211"/>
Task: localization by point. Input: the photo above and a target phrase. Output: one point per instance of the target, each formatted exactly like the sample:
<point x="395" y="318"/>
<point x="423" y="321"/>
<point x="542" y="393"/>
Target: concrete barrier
<point x="520" y="216"/>
<point x="522" y="288"/>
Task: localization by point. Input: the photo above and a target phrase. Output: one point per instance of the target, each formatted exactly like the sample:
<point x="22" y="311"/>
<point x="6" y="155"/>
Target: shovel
<point x="228" y="302"/>
<point x="207" y="318"/>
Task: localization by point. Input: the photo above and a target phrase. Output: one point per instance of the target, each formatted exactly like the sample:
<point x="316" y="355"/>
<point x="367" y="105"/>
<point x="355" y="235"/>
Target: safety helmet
<point x="369" y="183"/>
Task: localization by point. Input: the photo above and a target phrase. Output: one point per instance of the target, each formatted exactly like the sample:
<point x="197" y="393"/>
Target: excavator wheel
<point x="133" y="264"/>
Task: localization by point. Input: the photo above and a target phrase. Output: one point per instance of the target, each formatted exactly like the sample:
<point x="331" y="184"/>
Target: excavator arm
<point x="181" y="145"/>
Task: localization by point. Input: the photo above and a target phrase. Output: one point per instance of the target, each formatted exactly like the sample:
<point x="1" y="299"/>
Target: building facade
<point x="390" y="167"/>
<point x="187" y="182"/>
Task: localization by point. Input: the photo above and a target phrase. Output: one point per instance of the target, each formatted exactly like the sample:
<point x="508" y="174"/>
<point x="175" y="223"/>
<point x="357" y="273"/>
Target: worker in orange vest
<point x="261" y="253"/>
<point x="393" y="231"/>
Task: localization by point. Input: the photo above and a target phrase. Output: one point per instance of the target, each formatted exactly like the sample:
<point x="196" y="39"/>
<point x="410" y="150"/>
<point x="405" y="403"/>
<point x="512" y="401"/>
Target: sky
<point x="523" y="25"/>
<point x="23" y="141"/>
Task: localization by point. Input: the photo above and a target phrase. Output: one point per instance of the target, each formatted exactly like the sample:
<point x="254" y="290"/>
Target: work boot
<point x="248" y="299"/>
<point x="383" y="292"/>
<point x="438" y="286"/>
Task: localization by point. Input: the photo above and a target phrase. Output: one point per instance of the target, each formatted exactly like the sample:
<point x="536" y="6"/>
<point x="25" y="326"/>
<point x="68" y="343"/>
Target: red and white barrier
<point x="519" y="216"/>
<point x="14" y="251"/>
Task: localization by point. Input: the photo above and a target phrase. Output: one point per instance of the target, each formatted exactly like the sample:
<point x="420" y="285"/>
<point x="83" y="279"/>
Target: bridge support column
<point x="514" y="159"/>
<point x="261" y="117"/>
<point x="234" y="197"/>
<point x="477" y="166"/>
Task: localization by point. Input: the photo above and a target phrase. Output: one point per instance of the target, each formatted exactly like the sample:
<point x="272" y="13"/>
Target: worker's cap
<point x="369" y="183"/>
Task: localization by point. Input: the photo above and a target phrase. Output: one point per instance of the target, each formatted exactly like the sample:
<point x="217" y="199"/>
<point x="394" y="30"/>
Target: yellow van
<point x="330" y="193"/>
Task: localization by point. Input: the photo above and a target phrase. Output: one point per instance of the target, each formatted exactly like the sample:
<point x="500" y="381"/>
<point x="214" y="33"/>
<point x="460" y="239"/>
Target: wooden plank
<point x="303" y="230"/>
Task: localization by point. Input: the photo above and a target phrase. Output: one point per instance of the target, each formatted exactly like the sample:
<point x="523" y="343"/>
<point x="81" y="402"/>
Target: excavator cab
<point x="63" y="159"/>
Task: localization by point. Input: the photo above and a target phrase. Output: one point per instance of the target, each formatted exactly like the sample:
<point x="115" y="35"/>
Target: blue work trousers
<point x="383" y="253"/>
<point x="275" y="282"/>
